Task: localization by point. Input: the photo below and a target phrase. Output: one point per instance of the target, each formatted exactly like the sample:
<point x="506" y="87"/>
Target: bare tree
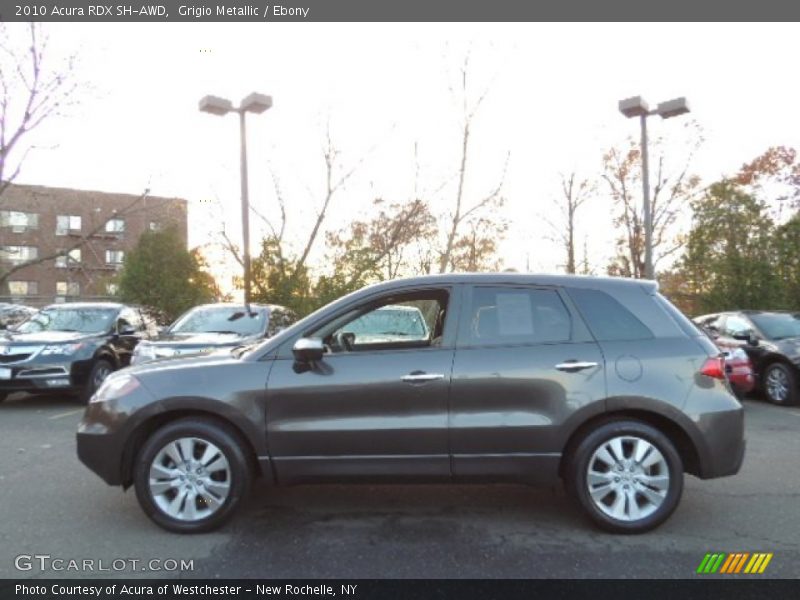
<point x="672" y="192"/>
<point x="464" y="210"/>
<point x="31" y="91"/>
<point x="376" y="248"/>
<point x="476" y="248"/>
<point x="336" y="176"/>
<point x="574" y="193"/>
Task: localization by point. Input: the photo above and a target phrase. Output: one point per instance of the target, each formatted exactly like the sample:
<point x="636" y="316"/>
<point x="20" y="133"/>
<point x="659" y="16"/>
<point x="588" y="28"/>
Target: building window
<point x="115" y="226"/>
<point x="18" y="254"/>
<point x="70" y="259"/>
<point x="23" y="288"/>
<point x="67" y="224"/>
<point x="68" y="288"/>
<point x="155" y="226"/>
<point x="115" y="257"/>
<point x="19" y="222"/>
<point x="112" y="289"/>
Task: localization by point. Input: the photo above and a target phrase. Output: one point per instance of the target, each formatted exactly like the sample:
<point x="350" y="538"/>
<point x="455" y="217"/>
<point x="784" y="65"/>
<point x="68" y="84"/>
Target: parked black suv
<point x="520" y="378"/>
<point x="70" y="347"/>
<point x="772" y="341"/>
<point x="211" y="327"/>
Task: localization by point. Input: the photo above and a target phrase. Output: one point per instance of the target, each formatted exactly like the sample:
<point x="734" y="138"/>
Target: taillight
<point x="714" y="367"/>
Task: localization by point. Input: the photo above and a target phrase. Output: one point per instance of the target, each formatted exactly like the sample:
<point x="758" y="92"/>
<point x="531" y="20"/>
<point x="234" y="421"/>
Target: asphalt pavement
<point x="52" y="506"/>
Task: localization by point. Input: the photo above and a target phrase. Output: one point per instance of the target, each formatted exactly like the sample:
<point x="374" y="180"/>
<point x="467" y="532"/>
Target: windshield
<point x="83" y="320"/>
<point x="778" y="326"/>
<point x="389" y="322"/>
<point x="221" y="319"/>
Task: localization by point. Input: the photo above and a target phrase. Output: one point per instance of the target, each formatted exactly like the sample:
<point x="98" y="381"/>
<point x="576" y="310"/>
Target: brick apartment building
<point x="37" y="221"/>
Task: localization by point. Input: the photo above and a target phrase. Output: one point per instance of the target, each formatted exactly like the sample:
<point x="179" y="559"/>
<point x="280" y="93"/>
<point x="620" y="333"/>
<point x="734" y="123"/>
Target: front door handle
<point x="571" y="366"/>
<point x="420" y="377"/>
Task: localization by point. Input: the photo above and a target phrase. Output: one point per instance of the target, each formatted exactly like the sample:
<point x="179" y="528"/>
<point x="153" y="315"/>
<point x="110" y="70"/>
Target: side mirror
<point x="746" y="336"/>
<point x="127" y="330"/>
<point x="308" y="350"/>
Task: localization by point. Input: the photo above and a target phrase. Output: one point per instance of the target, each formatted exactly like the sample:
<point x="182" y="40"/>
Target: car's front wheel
<point x="627" y="476"/>
<point x="191" y="475"/>
<point x="100" y="370"/>
<point x="780" y="385"/>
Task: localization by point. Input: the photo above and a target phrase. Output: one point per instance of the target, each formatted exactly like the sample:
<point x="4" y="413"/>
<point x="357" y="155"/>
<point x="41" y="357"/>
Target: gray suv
<point x="514" y="378"/>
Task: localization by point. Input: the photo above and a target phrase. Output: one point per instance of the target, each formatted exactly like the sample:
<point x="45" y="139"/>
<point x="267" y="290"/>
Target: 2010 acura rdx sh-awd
<point x="521" y="378"/>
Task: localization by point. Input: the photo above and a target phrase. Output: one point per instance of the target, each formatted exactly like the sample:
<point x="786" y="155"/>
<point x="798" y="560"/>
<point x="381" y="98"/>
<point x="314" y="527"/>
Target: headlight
<point x="115" y="386"/>
<point x="63" y="349"/>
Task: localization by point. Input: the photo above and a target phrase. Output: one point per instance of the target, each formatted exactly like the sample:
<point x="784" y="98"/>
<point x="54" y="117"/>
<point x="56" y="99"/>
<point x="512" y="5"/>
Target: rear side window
<point x="506" y="315"/>
<point x="688" y="327"/>
<point x="607" y="318"/>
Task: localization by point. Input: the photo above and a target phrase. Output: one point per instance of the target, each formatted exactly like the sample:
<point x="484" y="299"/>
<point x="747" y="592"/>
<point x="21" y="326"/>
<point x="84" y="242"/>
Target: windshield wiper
<point x="224" y="331"/>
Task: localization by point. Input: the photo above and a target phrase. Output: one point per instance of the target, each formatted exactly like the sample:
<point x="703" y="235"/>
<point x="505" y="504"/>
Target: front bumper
<point x="41" y="377"/>
<point x="101" y="451"/>
<point x="105" y="435"/>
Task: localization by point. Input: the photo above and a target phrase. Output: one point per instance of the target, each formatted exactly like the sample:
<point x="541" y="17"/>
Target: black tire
<point x="3" y="396"/>
<point x="577" y="477"/>
<point x="96" y="377"/>
<point x="777" y="394"/>
<point x="239" y="479"/>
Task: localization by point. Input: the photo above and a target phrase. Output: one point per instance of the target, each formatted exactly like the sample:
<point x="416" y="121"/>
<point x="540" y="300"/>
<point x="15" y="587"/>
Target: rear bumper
<point x="725" y="444"/>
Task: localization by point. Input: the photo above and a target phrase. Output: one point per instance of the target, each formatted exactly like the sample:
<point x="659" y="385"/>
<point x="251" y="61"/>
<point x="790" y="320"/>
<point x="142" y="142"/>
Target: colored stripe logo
<point x="733" y="563"/>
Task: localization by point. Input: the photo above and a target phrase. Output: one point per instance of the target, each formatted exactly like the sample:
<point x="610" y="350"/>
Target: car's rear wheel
<point x="627" y="476"/>
<point x="780" y="385"/>
<point x="191" y="475"/>
<point x="3" y="396"/>
<point x="100" y="370"/>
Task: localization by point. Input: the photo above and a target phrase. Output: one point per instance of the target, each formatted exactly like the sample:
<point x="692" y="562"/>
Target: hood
<point x="45" y="337"/>
<point x="203" y="339"/>
<point x="200" y="361"/>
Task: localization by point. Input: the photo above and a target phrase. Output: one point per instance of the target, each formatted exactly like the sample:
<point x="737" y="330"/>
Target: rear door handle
<point x="419" y="377"/>
<point x="574" y="365"/>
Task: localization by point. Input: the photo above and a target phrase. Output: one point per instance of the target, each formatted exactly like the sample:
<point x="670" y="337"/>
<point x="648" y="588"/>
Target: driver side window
<point x="398" y="322"/>
<point x="735" y="325"/>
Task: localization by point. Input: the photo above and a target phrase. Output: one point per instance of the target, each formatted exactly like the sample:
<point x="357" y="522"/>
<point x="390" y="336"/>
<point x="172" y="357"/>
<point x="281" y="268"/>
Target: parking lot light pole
<point x="637" y="107"/>
<point x="254" y="103"/>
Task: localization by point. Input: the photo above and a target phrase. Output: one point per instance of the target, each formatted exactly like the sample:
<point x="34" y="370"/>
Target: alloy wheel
<point x="189" y="479"/>
<point x="627" y="478"/>
<point x="777" y="384"/>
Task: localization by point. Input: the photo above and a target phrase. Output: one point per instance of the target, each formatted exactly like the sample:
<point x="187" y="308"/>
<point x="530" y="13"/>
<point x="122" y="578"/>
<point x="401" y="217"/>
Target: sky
<point x="386" y="89"/>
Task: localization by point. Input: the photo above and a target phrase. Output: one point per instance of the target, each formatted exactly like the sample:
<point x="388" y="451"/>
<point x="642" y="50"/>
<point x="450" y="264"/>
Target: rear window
<point x="687" y="325"/>
<point x="607" y="318"/>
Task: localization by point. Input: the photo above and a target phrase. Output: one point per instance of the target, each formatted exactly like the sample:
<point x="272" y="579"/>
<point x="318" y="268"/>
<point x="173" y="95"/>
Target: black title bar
<point x="701" y="588"/>
<point x="399" y="10"/>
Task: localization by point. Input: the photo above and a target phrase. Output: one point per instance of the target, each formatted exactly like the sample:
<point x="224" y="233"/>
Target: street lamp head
<point x="256" y="103"/>
<point x="215" y="105"/>
<point x="673" y="108"/>
<point x="634" y="107"/>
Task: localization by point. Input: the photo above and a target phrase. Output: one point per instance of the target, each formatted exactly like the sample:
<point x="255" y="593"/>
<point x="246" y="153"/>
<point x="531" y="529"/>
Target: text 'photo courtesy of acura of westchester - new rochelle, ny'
<point x="599" y="382"/>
